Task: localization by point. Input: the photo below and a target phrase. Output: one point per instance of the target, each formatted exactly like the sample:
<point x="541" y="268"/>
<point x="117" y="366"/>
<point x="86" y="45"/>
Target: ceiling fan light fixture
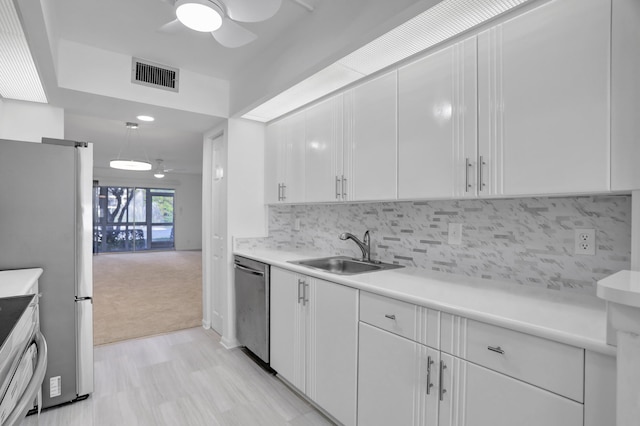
<point x="199" y="15"/>
<point x="158" y="174"/>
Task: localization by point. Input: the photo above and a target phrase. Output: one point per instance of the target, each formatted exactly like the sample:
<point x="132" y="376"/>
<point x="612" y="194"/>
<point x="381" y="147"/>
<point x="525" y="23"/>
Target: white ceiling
<point x="291" y="46"/>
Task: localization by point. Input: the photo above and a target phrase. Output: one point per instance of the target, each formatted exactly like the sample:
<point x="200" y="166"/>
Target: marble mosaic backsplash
<point x="528" y="241"/>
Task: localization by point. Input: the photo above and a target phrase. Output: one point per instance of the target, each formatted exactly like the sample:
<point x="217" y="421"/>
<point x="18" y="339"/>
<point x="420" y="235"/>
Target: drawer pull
<point x="301" y="283"/>
<point x="497" y="349"/>
<point x="429" y="384"/>
<point x="390" y="316"/>
<point x="443" y="366"/>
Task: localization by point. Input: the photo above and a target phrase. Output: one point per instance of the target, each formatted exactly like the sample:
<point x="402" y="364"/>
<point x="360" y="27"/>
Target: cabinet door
<point x="544" y="99"/>
<point x="287" y="326"/>
<point x="371" y="138"/>
<point x="437" y="124"/>
<point x="332" y="355"/>
<point x="492" y="398"/>
<point x="393" y="373"/>
<point x="293" y="130"/>
<point x="273" y="163"/>
<point x="323" y="160"/>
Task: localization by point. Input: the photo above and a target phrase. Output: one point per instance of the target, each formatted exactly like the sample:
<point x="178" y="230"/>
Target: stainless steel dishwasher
<point x="252" y="306"/>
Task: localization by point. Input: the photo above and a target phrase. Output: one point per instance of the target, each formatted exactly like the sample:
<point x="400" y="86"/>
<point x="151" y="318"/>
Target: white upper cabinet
<point x="625" y="96"/>
<point x="324" y="151"/>
<point x="371" y="139"/>
<point x="273" y="158"/>
<point x="543" y="85"/>
<point x="285" y="160"/>
<point x="437" y="119"/>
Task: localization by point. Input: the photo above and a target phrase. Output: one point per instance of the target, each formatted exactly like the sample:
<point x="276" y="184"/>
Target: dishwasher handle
<point x="249" y="270"/>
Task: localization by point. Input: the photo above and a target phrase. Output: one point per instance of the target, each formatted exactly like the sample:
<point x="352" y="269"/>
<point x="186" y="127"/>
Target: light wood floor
<point x="181" y="378"/>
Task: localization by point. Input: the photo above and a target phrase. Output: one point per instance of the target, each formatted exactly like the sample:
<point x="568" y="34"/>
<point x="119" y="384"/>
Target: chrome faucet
<point x="365" y="244"/>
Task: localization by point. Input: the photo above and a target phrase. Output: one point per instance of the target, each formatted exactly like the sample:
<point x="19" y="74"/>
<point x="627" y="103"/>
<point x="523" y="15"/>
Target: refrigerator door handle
<point x="84" y="346"/>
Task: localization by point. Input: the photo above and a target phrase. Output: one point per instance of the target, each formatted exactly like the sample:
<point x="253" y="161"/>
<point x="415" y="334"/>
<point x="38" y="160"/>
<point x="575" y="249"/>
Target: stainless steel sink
<point x="344" y="265"/>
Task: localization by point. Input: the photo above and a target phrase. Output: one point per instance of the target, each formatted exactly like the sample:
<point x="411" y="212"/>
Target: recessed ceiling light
<point x="145" y="118"/>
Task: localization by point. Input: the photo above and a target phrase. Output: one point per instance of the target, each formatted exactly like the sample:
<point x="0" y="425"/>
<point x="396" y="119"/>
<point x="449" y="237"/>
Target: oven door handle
<point x="25" y="402"/>
<point x="249" y="270"/>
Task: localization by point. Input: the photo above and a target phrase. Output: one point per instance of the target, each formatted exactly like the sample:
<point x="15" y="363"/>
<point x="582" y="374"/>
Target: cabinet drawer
<point x="541" y="362"/>
<point x="389" y="314"/>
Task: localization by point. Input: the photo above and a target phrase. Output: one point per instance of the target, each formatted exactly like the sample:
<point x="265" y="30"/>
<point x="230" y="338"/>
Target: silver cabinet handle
<point x="279" y="192"/>
<point x="284" y="192"/>
<point x="429" y="384"/>
<point x="300" y="293"/>
<point x="390" y="316"/>
<point x="443" y="366"/>
<point x="337" y="188"/>
<point x="344" y="191"/>
<point x="481" y="165"/>
<point x="467" y="166"/>
<point x="305" y="299"/>
<point x="497" y="349"/>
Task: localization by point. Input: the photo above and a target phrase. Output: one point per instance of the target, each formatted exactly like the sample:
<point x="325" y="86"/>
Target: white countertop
<point x="622" y="287"/>
<point x="572" y="319"/>
<point x="18" y="281"/>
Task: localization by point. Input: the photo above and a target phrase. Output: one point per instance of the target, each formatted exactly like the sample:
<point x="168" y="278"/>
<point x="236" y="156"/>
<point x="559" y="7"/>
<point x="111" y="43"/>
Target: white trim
<point x="635" y="230"/>
<point x="229" y="343"/>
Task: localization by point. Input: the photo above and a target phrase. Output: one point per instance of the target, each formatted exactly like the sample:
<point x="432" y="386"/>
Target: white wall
<point x="246" y="212"/>
<point x="188" y="199"/>
<point x="30" y="121"/>
<point x="88" y="69"/>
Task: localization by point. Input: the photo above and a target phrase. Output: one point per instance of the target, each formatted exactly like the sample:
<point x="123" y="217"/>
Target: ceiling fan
<point x="159" y="170"/>
<point x="220" y="18"/>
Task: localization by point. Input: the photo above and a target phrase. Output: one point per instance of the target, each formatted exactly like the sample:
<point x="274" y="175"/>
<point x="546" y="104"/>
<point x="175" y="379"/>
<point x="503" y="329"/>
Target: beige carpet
<point x="142" y="294"/>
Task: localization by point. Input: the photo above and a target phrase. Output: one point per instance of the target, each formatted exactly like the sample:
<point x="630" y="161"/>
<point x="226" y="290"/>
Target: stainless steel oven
<point x="252" y="306"/>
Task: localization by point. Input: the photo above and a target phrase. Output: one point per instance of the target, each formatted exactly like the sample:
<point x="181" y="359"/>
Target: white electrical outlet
<point x="455" y="233"/>
<point x="296" y="224"/>
<point x="585" y="241"/>
<point x="55" y="386"/>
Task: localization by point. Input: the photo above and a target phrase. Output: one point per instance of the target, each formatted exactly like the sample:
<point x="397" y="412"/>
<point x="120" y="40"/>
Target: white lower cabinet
<point x="314" y="339"/>
<point x="397" y="380"/>
<point x="477" y="396"/>
<point x="387" y="362"/>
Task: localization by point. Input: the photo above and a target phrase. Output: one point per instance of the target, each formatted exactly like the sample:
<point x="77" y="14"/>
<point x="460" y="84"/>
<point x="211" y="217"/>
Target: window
<point x="133" y="219"/>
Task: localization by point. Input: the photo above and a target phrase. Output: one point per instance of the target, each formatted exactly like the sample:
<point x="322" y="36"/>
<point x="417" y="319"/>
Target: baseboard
<point x="229" y="343"/>
<point x="206" y="324"/>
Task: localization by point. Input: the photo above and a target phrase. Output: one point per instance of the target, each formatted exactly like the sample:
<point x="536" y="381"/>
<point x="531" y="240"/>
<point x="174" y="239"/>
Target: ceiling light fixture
<point x="145" y="118"/>
<point x="133" y="165"/>
<point x="19" y="77"/>
<point x="199" y="15"/>
<point x="159" y="171"/>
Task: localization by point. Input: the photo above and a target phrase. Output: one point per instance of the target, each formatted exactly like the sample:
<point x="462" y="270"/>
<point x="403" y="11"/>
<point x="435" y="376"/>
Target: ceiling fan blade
<point x="252" y="10"/>
<point x="231" y="35"/>
<point x="171" y="27"/>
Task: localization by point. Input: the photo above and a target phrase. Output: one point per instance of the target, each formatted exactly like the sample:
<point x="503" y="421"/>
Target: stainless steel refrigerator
<point x="46" y="222"/>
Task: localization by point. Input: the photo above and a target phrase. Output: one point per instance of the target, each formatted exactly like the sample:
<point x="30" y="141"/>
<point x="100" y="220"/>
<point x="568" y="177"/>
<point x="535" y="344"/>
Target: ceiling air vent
<point x="154" y="75"/>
